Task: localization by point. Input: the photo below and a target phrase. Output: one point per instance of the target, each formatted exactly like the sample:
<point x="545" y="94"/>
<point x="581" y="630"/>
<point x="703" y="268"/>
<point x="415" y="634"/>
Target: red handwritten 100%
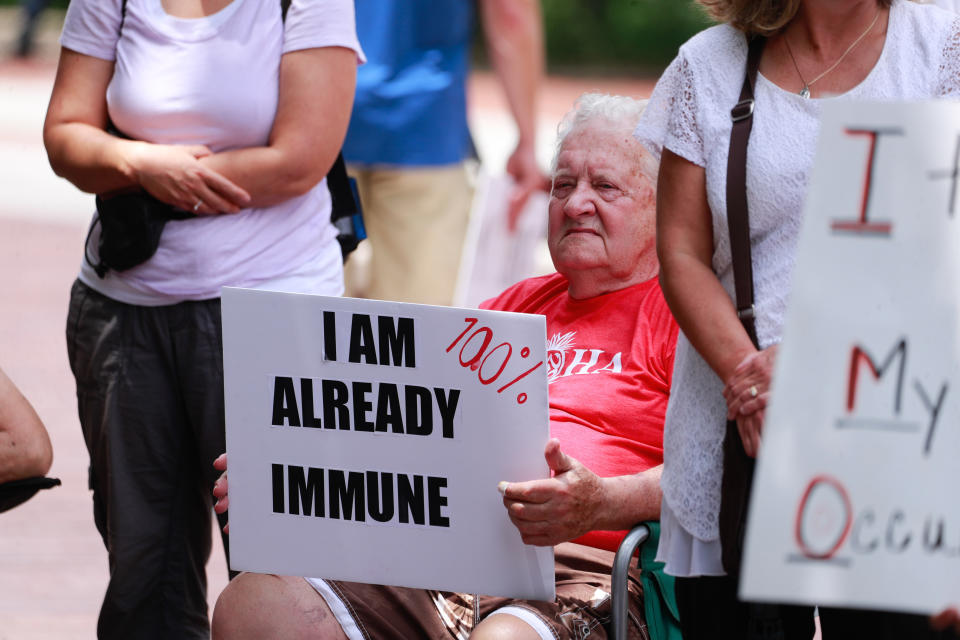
<point x="489" y="364"/>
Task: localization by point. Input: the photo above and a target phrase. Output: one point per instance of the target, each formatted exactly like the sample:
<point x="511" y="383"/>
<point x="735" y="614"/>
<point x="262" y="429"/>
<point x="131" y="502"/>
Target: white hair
<point x="620" y="112"/>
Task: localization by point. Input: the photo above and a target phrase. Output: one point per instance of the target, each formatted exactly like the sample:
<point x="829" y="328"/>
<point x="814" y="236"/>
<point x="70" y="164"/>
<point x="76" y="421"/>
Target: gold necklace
<point x="805" y="91"/>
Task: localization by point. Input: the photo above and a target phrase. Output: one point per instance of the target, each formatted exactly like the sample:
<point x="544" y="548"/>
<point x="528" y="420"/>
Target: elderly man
<point x="611" y="343"/>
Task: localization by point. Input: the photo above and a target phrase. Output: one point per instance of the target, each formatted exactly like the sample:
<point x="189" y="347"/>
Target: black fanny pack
<point x="131" y="223"/>
<point x="130" y="227"/>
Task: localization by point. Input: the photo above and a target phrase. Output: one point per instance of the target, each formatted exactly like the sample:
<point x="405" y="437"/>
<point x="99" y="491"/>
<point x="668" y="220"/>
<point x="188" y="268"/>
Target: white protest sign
<point x="366" y="439"/>
<point x="855" y="500"/>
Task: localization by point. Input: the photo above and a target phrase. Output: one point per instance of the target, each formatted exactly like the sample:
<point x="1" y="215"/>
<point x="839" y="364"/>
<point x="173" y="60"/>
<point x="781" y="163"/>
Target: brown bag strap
<point x="738" y="220"/>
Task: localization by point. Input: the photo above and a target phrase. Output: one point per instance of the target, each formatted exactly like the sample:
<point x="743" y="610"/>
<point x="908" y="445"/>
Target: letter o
<point x="824" y="495"/>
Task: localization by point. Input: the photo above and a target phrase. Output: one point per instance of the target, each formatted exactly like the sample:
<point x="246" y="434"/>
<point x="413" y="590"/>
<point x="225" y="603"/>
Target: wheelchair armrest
<point x="16" y="492"/>
<point x="618" y="579"/>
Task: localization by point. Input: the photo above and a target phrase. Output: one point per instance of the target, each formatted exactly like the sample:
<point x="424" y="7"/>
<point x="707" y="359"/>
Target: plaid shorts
<point x="581" y="609"/>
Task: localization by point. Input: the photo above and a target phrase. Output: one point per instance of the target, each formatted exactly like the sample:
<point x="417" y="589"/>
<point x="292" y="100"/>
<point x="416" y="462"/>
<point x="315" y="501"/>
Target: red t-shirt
<point x="609" y="365"/>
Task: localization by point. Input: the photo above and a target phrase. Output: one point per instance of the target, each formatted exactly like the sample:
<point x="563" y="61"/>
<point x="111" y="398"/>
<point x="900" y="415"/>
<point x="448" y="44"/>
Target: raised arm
<point x="576" y="501"/>
<point x="80" y="149"/>
<point x="25" y="449"/>
<point x="515" y="44"/>
<point x="702" y="308"/>
<point x="316" y="95"/>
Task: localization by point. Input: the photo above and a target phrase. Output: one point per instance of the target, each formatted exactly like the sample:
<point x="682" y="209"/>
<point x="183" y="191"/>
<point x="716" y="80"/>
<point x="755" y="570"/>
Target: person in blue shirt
<point x="408" y="138"/>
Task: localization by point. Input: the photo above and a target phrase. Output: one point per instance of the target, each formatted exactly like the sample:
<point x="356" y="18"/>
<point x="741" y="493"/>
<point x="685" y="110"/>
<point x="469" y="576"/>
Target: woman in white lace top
<point x="816" y="50"/>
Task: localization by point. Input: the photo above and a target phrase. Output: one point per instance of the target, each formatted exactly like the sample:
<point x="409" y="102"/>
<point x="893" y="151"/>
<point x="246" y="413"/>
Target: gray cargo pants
<point x="150" y="398"/>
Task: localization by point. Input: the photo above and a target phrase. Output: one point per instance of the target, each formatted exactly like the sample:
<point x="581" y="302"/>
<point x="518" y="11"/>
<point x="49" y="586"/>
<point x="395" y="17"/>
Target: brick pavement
<point x="53" y="569"/>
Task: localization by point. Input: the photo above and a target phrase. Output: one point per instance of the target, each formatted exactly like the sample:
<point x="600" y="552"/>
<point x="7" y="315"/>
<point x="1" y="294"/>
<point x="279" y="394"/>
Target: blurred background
<point x="53" y="568"/>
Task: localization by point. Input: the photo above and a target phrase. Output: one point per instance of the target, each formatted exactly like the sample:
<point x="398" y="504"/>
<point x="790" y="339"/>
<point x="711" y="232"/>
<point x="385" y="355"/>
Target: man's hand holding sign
<point x="607" y="355"/>
<point x="576" y="501"/>
<point x="561" y="508"/>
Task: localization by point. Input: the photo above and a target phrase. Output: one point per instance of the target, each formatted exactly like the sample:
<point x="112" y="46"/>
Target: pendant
<point x="805" y="92"/>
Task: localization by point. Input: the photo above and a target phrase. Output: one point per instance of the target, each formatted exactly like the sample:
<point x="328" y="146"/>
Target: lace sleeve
<point x="670" y="119"/>
<point x="948" y="77"/>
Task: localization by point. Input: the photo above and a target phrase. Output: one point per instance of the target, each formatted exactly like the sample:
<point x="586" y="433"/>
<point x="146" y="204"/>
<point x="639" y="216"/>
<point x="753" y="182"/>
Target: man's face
<point x="602" y="209"/>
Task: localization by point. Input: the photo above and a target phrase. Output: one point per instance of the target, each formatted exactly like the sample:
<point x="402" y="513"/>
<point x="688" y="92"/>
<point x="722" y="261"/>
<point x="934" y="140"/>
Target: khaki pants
<point x="416" y="220"/>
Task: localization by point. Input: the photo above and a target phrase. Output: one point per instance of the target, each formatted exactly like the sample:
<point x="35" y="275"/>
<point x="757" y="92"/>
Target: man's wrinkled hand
<point x="558" y="509"/>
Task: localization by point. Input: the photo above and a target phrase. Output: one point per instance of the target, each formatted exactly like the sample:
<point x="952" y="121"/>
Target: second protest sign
<point x="854" y="502"/>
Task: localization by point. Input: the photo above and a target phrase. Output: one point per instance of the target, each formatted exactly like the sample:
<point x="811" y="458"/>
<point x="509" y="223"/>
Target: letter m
<point x="859" y="358"/>
<point x="305" y="490"/>
<point x="347" y="495"/>
<point x="397" y="341"/>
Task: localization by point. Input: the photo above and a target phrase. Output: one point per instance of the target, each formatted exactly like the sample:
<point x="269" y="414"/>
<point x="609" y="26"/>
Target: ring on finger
<point x="196" y="207"/>
<point x="753" y="391"/>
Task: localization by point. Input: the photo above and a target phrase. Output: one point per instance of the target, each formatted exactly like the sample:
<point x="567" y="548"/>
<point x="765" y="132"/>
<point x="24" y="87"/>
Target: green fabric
<point x="659" y="598"/>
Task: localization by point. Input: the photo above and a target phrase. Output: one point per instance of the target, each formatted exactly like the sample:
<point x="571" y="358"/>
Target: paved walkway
<point x="53" y="568"/>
